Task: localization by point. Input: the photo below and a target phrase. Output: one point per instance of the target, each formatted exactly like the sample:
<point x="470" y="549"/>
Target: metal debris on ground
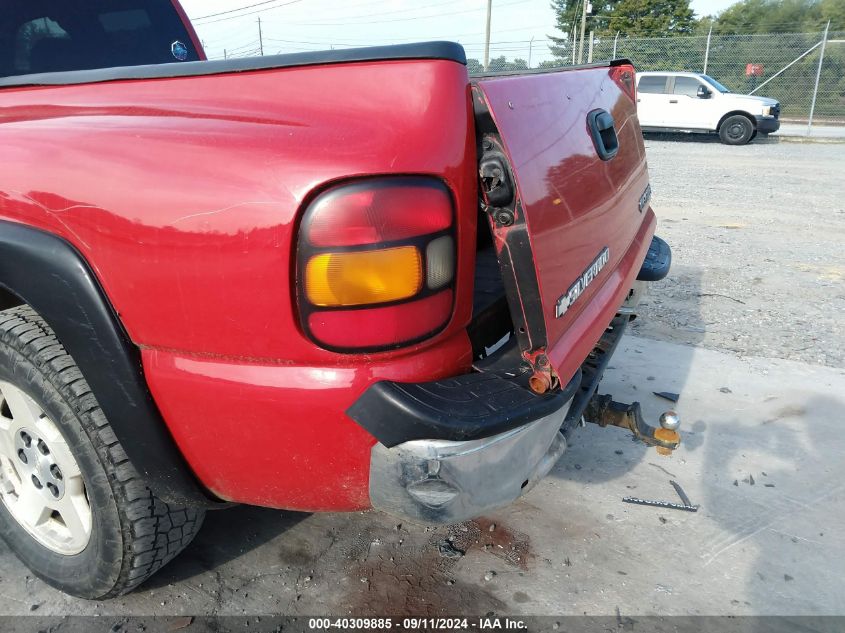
<point x="685" y="504"/>
<point x="448" y="550"/>
<point x="681" y="493"/>
<point x="668" y="395"/>
<point x="660" y="504"/>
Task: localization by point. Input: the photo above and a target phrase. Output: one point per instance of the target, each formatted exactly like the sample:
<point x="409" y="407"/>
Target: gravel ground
<point x="757" y="234"/>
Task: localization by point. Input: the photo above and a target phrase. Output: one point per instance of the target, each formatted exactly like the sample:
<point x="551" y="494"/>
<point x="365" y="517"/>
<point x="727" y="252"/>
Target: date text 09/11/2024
<point x="415" y="624"/>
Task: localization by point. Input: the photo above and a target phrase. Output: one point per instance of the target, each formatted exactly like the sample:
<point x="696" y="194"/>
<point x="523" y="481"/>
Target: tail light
<point x="376" y="263"/>
<point x="625" y="78"/>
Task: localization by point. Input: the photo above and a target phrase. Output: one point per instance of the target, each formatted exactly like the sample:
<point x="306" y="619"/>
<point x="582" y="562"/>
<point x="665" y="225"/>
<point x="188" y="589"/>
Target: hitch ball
<point x="670" y="421"/>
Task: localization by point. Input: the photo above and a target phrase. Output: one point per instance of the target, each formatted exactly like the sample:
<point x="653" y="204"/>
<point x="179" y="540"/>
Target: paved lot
<point x="817" y="131"/>
<point x="748" y="330"/>
<point x="757" y="233"/>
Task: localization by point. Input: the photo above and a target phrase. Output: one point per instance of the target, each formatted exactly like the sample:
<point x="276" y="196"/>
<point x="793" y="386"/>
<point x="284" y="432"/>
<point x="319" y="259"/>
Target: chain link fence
<point x="795" y="56"/>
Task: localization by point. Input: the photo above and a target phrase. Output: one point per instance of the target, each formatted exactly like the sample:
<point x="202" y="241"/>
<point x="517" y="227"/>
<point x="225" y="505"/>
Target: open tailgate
<point x="573" y="232"/>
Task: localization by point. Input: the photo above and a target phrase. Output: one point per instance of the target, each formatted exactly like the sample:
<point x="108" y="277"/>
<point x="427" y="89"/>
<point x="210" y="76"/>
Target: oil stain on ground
<point x="415" y="571"/>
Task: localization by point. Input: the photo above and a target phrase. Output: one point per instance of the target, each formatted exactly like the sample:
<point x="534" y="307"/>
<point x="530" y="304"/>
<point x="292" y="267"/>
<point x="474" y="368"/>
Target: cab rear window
<point x="56" y="36"/>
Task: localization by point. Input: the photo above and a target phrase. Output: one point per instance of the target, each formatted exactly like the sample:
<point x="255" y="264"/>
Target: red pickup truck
<point x="326" y="281"/>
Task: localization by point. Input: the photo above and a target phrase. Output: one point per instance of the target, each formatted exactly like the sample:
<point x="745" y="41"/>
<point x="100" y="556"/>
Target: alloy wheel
<point x="41" y="483"/>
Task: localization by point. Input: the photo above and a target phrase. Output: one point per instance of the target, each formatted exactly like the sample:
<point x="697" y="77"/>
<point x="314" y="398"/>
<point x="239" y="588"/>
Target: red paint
<point x="184" y="195"/>
<point x="276" y="435"/>
<point x="575" y="204"/>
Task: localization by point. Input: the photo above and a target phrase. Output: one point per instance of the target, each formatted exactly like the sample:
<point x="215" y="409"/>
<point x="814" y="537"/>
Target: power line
<point x="232" y="17"/>
<point x="444" y="37"/>
<point x="243" y="15"/>
<point x="399" y="11"/>
<point x="346" y="22"/>
<point x="249" y="6"/>
<point x="341" y="43"/>
<point x="348" y="41"/>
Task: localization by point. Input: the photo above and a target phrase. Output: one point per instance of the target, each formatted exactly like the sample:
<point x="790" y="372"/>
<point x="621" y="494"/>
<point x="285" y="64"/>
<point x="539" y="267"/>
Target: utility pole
<point x="583" y="29"/>
<point x="530" y="47"/>
<point x="225" y="54"/>
<point x="260" y="38"/>
<point x="818" y="76"/>
<point x="487" y="36"/>
<point x="590" y="48"/>
<point x="707" y="49"/>
<point x="615" y="40"/>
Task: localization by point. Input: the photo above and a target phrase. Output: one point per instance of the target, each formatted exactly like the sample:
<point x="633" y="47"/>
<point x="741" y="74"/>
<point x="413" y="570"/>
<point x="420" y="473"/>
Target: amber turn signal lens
<point x="363" y="277"/>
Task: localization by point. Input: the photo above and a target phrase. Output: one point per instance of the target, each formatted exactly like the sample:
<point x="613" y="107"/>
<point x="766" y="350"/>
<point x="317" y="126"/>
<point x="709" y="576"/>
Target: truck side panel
<point x="183" y="194"/>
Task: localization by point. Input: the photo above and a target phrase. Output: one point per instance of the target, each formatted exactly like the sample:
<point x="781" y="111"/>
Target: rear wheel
<point x="736" y="130"/>
<point x="72" y="507"/>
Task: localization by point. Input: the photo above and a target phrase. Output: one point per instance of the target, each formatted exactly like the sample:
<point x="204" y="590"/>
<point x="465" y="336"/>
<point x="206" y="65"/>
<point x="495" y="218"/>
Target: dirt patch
<point x="405" y="579"/>
<point x="296" y="552"/>
<point x="520" y="597"/>
<point x="494" y="538"/>
<point x="408" y="572"/>
<point x="417" y="585"/>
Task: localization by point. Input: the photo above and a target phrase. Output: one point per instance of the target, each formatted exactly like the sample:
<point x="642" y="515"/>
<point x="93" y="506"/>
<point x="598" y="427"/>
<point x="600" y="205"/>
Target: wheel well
<point x="9" y="299"/>
<point x="50" y="275"/>
<point x="740" y="112"/>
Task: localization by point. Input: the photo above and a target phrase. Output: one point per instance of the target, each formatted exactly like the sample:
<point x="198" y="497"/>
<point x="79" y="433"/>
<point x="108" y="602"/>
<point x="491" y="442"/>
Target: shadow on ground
<point x="629" y="385"/>
<point x="760" y="139"/>
<point x="230" y="534"/>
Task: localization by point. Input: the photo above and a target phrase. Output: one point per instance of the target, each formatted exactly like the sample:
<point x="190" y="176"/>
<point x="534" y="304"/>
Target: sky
<point x="519" y="28"/>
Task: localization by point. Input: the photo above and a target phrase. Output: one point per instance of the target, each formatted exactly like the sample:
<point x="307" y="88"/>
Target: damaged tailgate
<point x="565" y="186"/>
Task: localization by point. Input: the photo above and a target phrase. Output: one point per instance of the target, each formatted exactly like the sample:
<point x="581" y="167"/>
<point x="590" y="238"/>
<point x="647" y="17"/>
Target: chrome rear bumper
<point x="441" y="481"/>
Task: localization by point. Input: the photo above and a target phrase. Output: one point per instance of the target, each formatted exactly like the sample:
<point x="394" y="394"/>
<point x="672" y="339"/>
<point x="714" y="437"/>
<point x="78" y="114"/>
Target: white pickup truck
<point x="696" y="103"/>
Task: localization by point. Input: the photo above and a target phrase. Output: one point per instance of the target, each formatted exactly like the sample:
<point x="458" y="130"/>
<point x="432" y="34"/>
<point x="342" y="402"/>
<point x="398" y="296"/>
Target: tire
<point x="736" y="130"/>
<point x="101" y="532"/>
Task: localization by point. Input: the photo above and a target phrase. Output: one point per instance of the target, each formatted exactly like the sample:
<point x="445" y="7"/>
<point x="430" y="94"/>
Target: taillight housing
<point x="625" y="77"/>
<point x="376" y="262"/>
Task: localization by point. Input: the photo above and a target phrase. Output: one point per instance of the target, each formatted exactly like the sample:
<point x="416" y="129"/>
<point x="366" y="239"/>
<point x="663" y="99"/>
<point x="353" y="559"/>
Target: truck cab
<point x="697" y="103"/>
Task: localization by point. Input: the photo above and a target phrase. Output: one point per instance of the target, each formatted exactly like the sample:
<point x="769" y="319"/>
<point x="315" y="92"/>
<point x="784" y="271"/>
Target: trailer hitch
<point x="604" y="411"/>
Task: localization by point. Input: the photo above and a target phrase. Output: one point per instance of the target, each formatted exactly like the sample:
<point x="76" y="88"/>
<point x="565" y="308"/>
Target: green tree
<point x="568" y="20"/>
<point x="780" y="16"/>
<point x="833" y="10"/>
<point x="568" y="14"/>
<point x="502" y="63"/>
<point x="652" y="18"/>
<point x="629" y="18"/>
<point x="474" y="66"/>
